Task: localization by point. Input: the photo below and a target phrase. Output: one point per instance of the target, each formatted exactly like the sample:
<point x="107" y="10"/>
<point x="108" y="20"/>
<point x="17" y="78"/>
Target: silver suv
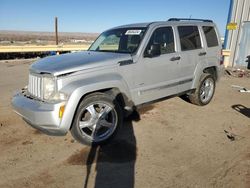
<point x="90" y="92"/>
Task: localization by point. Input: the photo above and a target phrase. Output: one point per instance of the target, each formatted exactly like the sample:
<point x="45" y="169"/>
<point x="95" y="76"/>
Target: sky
<point x="99" y="15"/>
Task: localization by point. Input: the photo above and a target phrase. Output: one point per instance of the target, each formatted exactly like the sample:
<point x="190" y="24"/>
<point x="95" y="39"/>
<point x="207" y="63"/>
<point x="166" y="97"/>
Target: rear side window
<point x="189" y="37"/>
<point x="165" y="37"/>
<point x="211" y="36"/>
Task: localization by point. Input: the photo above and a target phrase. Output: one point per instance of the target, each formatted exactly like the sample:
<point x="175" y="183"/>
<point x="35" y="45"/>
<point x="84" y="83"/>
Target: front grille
<point x="35" y="86"/>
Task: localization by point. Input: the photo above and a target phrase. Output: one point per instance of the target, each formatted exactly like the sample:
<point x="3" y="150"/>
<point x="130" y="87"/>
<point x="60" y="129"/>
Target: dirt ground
<point x="171" y="144"/>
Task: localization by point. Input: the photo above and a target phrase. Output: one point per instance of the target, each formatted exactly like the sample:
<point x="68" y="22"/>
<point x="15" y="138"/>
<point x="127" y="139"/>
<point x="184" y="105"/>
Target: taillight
<point x="221" y="58"/>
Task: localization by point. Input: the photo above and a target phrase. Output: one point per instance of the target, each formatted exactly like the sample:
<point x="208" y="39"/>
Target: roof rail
<point x="189" y="19"/>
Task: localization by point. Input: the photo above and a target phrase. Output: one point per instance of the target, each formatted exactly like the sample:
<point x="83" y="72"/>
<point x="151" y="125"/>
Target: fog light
<point x="61" y="111"/>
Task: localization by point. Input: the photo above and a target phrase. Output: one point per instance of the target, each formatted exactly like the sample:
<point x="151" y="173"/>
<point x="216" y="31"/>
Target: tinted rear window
<point x="189" y="37"/>
<point x="211" y="36"/>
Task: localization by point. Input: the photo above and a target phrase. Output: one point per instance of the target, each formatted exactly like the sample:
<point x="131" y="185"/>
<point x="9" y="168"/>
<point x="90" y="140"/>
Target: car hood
<point x="72" y="62"/>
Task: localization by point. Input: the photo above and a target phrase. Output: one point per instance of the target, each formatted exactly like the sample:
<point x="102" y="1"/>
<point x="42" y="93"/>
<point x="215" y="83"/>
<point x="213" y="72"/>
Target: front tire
<point x="204" y="93"/>
<point x="97" y="119"/>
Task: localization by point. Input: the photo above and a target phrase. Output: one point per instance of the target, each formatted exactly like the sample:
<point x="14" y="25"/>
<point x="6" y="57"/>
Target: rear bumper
<point x="220" y="72"/>
<point x="40" y="115"/>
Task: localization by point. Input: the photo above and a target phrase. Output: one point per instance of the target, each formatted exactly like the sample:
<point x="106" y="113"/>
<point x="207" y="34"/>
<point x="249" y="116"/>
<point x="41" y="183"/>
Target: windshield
<point x="122" y="40"/>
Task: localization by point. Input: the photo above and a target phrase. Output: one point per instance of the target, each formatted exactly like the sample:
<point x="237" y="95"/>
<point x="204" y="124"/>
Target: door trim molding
<point x="167" y="86"/>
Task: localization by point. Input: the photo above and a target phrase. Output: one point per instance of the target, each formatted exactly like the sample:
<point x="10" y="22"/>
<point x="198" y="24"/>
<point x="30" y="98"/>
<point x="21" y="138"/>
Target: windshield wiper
<point x="112" y="51"/>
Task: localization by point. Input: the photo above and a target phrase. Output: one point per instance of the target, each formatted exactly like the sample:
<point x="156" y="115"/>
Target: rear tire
<point x="97" y="119"/>
<point x="204" y="93"/>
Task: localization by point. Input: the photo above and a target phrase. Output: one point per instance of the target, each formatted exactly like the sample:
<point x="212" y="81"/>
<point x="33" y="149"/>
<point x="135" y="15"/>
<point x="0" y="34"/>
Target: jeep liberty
<point x="90" y="92"/>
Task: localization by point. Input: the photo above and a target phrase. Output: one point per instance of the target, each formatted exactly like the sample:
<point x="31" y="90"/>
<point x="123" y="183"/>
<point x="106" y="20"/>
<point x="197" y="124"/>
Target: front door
<point x="159" y="74"/>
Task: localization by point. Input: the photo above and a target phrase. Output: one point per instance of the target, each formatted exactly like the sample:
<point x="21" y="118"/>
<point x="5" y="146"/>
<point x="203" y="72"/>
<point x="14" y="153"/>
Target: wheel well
<point x="212" y="71"/>
<point x="114" y="92"/>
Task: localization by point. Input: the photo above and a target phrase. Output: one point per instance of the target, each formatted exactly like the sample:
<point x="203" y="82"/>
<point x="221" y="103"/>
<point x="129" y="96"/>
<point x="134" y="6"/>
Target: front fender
<point x="79" y="88"/>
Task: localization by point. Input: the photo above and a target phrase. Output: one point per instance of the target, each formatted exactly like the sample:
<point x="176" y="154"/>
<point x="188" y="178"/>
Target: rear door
<point x="192" y="52"/>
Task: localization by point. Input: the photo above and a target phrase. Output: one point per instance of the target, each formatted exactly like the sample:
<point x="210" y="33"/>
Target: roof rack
<point x="189" y="19"/>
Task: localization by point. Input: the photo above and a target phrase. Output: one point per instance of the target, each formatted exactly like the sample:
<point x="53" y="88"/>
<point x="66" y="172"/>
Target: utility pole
<point x="56" y="30"/>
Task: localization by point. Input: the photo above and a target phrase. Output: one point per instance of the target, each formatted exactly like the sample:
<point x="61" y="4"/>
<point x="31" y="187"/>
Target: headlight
<point x="59" y="96"/>
<point x="50" y="90"/>
<point x="49" y="87"/>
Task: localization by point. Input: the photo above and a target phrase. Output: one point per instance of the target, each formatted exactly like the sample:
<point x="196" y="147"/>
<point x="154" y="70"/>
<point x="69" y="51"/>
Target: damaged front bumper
<point x="40" y="115"/>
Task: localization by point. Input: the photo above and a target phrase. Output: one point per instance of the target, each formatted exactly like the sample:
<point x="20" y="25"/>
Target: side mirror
<point x="154" y="50"/>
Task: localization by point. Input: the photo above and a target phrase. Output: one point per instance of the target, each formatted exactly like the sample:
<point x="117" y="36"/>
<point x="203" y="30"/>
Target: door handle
<point x="175" y="58"/>
<point x="202" y="53"/>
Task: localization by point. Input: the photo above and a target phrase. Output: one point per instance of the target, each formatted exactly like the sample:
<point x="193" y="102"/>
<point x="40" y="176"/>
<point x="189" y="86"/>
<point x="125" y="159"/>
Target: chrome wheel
<point x="98" y="121"/>
<point x="207" y="90"/>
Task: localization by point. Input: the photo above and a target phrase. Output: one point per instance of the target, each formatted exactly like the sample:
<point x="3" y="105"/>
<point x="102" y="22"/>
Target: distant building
<point x="78" y="41"/>
<point x="5" y="42"/>
<point x="81" y="41"/>
<point x="239" y="13"/>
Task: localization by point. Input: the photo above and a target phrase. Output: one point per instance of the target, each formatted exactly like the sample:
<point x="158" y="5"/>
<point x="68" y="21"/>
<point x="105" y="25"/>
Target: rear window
<point x="211" y="36"/>
<point x="189" y="37"/>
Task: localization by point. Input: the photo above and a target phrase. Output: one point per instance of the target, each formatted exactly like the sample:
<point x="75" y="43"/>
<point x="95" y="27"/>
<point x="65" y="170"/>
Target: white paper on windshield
<point x="133" y="32"/>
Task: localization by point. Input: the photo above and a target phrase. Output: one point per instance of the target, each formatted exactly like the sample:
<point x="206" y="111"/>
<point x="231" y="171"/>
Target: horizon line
<point x="12" y="30"/>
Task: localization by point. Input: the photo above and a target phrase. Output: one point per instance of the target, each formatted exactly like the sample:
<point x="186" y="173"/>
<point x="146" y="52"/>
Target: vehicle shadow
<point x="242" y="109"/>
<point x="115" y="161"/>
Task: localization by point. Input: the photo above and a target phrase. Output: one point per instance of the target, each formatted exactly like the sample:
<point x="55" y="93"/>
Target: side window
<point x="211" y="36"/>
<point x="165" y="37"/>
<point x="189" y="37"/>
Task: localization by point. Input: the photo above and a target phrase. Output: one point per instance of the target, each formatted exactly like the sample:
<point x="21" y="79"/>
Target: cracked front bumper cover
<point x="40" y="115"/>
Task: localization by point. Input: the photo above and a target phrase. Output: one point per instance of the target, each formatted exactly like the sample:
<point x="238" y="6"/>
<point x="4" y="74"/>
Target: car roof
<point x="146" y="24"/>
<point x="158" y="23"/>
